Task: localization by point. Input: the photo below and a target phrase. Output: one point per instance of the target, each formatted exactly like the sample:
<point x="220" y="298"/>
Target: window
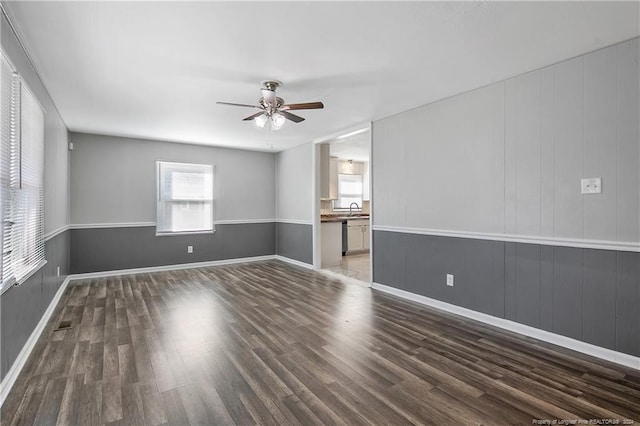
<point x="21" y="180"/>
<point x="185" y="198"/>
<point x="349" y="191"/>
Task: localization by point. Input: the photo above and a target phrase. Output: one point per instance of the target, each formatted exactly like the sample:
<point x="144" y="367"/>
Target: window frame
<point x="337" y="203"/>
<point x="22" y="212"/>
<point x="160" y="201"/>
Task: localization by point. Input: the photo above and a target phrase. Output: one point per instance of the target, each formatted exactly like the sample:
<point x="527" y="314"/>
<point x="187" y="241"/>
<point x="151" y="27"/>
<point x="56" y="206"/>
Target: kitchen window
<point x="349" y="191"/>
<point x="185" y="198"/>
<point x="21" y="180"/>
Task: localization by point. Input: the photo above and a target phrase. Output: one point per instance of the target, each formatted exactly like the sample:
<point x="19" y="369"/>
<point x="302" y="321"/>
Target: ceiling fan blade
<point x="252" y="116"/>
<point x="306" y="105"/>
<point x="269" y="96"/>
<point x="240" y="105"/>
<point x="292" y="117"/>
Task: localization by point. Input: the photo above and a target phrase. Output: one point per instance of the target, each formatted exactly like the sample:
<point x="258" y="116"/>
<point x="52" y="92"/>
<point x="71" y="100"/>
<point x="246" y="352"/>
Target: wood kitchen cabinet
<point x="328" y="174"/>
<point x="357" y="235"/>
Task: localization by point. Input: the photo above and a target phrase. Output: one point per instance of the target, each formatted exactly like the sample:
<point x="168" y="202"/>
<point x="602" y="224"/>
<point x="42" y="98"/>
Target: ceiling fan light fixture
<point x="261" y="120"/>
<point x="278" y="120"/>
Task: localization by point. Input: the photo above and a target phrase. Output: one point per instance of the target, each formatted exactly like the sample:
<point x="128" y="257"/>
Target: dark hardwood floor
<point x="269" y="343"/>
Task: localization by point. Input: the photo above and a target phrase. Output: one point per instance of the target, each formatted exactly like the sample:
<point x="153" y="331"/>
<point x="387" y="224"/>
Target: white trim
<point x="295" y="221"/>
<point x="18" y="364"/>
<point x="527" y="239"/>
<point x="171" y="234"/>
<point x="55" y="232"/>
<point x="243" y="221"/>
<point x="293" y="262"/>
<point x="556" y="339"/>
<point x="175" y="267"/>
<point x="111" y="225"/>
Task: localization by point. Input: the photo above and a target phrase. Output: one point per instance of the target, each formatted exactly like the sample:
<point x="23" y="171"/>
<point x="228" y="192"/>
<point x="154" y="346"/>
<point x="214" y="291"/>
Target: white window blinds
<point x="349" y="191"/>
<point x="21" y="180"/>
<point x="185" y="198"/>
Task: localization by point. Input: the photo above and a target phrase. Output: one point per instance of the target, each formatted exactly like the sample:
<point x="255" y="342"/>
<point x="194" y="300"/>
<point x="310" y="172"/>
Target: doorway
<point x="343" y="206"/>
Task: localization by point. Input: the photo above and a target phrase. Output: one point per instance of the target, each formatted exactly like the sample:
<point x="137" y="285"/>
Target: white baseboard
<point x="169" y="267"/>
<point x="294" y="262"/>
<point x="556" y="339"/>
<point x="13" y="373"/>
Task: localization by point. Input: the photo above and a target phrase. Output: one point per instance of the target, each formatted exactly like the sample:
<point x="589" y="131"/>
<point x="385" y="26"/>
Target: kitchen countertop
<point x="340" y="218"/>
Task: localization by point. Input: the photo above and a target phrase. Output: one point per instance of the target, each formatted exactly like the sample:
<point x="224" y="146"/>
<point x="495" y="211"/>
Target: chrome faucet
<point x="351" y="205"/>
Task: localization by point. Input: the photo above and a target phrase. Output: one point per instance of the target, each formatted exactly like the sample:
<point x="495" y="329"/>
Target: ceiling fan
<point x="272" y="108"/>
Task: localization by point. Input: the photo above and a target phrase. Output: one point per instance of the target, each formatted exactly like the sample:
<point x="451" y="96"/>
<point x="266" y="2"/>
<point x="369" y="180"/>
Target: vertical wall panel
<point x="628" y="132"/>
<point x="389" y="262"/>
<point x="420" y="144"/>
<point x="434" y="132"/>
<point x="498" y="160"/>
<point x="527" y="285"/>
<point x="546" y="288"/>
<point x="527" y="160"/>
<point x="627" y="303"/>
<point x="568" y="148"/>
<point x="445" y="255"/>
<point x="481" y="279"/>
<point x="419" y="255"/>
<point x="498" y="251"/>
<point x="510" y="155"/>
<point x="567" y="297"/>
<point x="510" y="277"/>
<point x="600" y="142"/>
<point x="599" y="298"/>
<point x="547" y="172"/>
<point x="389" y="171"/>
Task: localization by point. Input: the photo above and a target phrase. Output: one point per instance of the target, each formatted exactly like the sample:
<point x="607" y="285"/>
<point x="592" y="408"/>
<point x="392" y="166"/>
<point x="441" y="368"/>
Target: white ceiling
<point x="355" y="147"/>
<point x="156" y="69"/>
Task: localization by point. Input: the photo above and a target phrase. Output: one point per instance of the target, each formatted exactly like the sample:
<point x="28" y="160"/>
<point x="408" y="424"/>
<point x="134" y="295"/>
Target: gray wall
<point x="295" y="241"/>
<point x="108" y="249"/>
<point x="113" y="179"/>
<point x="294" y="203"/>
<point x="294" y="176"/>
<point x="21" y="308"/>
<point x="589" y="295"/>
<point x="507" y="160"/>
<point x="113" y="183"/>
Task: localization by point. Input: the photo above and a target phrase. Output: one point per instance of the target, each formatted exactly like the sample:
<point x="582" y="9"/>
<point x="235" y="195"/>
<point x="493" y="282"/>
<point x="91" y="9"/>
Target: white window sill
<point x="171" y="234"/>
<point x="23" y="278"/>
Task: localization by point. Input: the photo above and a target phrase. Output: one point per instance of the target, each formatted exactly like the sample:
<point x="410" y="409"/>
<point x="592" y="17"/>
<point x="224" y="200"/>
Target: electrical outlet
<point x="189" y="249"/>
<point x="58" y="270"/>
<point x="450" y="280"/>
<point x="591" y="186"/>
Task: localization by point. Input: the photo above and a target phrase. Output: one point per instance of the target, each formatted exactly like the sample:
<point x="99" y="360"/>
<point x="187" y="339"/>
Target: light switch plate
<point x="591" y="186"/>
<point x="450" y="280"/>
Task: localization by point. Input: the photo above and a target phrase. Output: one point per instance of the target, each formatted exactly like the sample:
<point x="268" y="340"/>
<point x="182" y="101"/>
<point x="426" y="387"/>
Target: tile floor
<point x="356" y="266"/>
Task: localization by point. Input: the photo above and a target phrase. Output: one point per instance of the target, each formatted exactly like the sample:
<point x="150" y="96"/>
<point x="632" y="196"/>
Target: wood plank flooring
<point x="273" y="344"/>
